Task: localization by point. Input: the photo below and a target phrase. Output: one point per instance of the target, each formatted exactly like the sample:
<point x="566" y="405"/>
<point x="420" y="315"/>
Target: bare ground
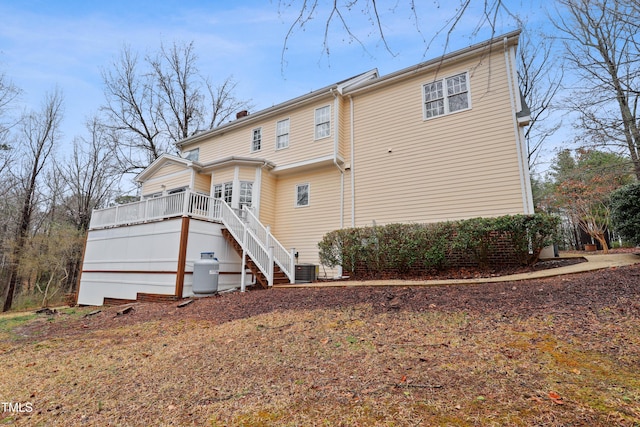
<point x="554" y="352"/>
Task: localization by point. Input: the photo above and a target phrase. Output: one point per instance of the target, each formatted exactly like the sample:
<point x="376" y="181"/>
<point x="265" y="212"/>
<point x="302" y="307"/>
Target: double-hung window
<point x="302" y="195"/>
<point x="446" y="96"/>
<point x="256" y="141"/>
<point x="282" y="134"/>
<point x="323" y="122"/>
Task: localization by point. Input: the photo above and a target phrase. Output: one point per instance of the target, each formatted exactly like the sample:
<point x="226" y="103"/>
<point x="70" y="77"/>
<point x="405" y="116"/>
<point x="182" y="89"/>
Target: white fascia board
<point x="161" y="161"/>
<point x="237" y="161"/>
<point x="307" y="164"/>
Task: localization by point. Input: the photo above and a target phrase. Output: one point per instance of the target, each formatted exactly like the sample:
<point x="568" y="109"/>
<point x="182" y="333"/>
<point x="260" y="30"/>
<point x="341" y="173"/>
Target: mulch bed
<point x="576" y="293"/>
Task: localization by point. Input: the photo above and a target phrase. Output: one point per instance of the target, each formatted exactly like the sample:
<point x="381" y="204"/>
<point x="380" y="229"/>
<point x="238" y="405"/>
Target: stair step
<point x="279" y="277"/>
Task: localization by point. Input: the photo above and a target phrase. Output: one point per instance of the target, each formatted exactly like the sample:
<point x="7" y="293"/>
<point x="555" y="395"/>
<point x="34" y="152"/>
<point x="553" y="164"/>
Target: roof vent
<point x="241" y="114"/>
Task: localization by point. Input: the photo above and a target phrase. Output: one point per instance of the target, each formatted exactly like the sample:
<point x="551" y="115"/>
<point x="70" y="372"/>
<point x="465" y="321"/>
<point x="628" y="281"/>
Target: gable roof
<point x="163" y="160"/>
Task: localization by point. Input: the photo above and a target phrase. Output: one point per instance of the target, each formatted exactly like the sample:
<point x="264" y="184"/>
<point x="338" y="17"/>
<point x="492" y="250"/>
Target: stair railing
<point x="284" y="258"/>
<point x="261" y="250"/>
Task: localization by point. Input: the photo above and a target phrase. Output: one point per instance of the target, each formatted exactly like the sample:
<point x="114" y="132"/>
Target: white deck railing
<point x="256" y="239"/>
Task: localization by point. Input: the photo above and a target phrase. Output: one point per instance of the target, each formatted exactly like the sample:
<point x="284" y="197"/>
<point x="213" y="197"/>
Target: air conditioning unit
<point x="306" y="273"/>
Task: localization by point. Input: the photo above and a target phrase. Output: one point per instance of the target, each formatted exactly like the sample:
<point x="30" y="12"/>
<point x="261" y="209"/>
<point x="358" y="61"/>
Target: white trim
<point x="315" y="162"/>
<point x="235" y="188"/>
<point x="523" y="166"/>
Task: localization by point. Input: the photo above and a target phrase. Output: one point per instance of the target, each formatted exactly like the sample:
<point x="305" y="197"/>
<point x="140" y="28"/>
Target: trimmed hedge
<point x="410" y="249"/>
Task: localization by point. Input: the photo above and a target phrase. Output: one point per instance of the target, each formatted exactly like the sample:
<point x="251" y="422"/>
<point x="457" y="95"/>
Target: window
<point x="256" y="142"/>
<point x="302" y="195"/>
<point x="223" y="191"/>
<point x="323" y="122"/>
<point x="217" y="191"/>
<point x="192" y="155"/>
<point x="446" y="96"/>
<point x="246" y="193"/>
<point x="282" y="134"/>
<point x="177" y="190"/>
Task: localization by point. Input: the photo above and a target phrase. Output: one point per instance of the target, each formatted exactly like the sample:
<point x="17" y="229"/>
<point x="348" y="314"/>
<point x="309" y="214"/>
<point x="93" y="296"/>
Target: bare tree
<point x="8" y="94"/>
<point x="601" y="40"/>
<point x="540" y="79"/>
<point x="90" y="176"/>
<point x="39" y="135"/>
<point x="342" y="13"/>
<point x="132" y="113"/>
<point x="154" y="103"/>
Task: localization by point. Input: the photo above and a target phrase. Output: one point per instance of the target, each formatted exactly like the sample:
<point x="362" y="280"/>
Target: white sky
<point x="66" y="44"/>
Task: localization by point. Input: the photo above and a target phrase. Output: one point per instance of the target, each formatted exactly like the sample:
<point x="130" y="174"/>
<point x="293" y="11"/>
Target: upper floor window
<point x="323" y="122"/>
<point x="302" y="195"/>
<point x="446" y="96"/>
<point x="256" y="141"/>
<point x="192" y="155"/>
<point x="282" y="134"/>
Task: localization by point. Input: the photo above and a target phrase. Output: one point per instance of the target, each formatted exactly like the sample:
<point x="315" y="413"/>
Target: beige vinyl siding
<point x="171" y="176"/>
<point x="303" y="227"/>
<point x="344" y="131"/>
<point x="268" y="199"/>
<point x="247" y="173"/>
<point x="223" y="175"/>
<point x="203" y="183"/>
<point x="449" y="167"/>
<point x="302" y="145"/>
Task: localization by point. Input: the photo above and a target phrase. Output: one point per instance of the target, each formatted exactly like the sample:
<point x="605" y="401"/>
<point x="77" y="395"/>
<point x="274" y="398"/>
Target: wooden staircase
<point x="279" y="277"/>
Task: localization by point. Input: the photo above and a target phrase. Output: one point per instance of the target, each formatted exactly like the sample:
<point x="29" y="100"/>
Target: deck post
<point x="182" y="256"/>
<point x="185" y="202"/>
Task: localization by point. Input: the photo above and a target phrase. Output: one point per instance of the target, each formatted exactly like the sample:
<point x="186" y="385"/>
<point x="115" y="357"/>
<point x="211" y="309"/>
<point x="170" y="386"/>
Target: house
<point x="441" y="140"/>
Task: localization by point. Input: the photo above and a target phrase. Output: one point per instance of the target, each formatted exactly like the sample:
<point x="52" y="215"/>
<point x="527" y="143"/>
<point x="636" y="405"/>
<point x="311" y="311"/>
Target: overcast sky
<point x="66" y="44"/>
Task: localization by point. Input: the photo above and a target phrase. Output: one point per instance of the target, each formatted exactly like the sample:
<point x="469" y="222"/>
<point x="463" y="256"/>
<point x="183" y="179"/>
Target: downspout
<point x="336" y="132"/>
<point x="525" y="184"/>
<point x="352" y="161"/>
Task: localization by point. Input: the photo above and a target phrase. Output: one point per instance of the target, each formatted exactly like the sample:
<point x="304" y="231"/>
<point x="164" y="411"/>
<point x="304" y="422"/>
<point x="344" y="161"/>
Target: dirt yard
<point x="563" y="351"/>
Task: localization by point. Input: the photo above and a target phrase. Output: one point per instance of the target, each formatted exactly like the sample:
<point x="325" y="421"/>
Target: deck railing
<point x="256" y="239"/>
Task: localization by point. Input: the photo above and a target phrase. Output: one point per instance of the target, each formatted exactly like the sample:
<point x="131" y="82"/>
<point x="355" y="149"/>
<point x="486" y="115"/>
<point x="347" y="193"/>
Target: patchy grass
<point x="342" y="366"/>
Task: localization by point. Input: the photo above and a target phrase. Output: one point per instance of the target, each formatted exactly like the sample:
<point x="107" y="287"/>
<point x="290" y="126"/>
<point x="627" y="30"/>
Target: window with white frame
<point x="302" y="195"/>
<point x="446" y="96"/>
<point x="282" y="134"/>
<point x="223" y="191"/>
<point x="323" y="122"/>
<point x="192" y="155"/>
<point x="256" y="141"/>
<point x="246" y="194"/>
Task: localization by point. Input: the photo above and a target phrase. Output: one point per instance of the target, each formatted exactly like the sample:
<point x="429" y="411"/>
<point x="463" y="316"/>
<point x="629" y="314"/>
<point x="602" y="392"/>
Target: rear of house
<point x="438" y="141"/>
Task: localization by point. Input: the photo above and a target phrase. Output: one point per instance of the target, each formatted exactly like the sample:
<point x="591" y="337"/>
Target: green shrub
<point x="402" y="248"/>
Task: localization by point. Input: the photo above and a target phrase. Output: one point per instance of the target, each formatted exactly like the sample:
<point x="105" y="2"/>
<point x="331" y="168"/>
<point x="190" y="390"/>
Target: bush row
<point x="403" y="249"/>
